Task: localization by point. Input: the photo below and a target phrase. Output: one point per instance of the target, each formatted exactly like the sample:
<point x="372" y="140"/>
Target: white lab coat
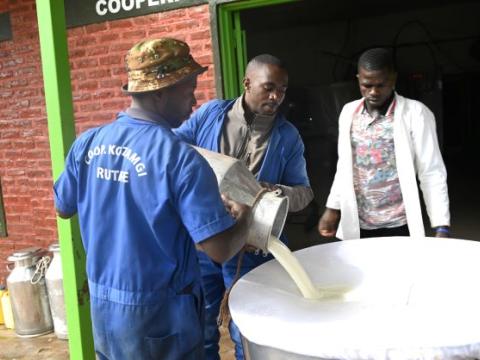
<point x="417" y="154"/>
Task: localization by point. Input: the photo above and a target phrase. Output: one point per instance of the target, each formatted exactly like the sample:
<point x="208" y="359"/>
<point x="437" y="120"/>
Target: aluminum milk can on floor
<point x="270" y="208"/>
<point x="54" y="280"/>
<point x="28" y="292"/>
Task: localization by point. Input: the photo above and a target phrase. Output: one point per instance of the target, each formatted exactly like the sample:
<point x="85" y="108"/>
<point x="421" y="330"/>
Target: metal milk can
<point x="54" y="280"/>
<point x="269" y="208"/>
<point x="28" y="292"/>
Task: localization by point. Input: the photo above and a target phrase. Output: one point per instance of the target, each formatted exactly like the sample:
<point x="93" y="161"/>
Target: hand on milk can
<point x="226" y="244"/>
<point x="236" y="209"/>
<point x="271" y="187"/>
<point x="241" y="212"/>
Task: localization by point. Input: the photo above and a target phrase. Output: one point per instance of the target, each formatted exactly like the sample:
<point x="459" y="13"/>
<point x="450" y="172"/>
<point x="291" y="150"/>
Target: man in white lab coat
<point x="385" y="142"/>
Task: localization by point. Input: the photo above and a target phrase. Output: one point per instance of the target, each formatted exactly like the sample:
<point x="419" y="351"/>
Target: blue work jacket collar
<point x="272" y="143"/>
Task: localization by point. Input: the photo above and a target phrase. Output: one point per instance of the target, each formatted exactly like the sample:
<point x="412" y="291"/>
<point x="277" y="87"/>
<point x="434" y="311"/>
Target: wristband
<point x="443" y="229"/>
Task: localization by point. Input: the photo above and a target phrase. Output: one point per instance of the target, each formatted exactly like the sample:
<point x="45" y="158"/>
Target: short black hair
<point x="266" y="59"/>
<point x="377" y="59"/>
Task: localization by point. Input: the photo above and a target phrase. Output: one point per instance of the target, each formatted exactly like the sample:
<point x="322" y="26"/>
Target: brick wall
<point x="96" y="59"/>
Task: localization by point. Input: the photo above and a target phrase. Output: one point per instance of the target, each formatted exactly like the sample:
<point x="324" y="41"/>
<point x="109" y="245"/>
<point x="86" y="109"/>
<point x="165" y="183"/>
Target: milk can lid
<point x="54" y="247"/>
<point x="24" y="254"/>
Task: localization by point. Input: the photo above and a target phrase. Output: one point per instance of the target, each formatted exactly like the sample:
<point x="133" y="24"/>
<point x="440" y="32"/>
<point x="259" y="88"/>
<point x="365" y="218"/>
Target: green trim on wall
<point x="61" y="130"/>
<point x="5" y="27"/>
<point x="251" y="4"/>
<point x="227" y="54"/>
<point x="3" y="222"/>
<point x="241" y="49"/>
<point x="233" y="45"/>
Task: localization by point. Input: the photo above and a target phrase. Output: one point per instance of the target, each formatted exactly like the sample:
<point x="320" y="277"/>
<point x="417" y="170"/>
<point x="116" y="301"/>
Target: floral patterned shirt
<point x="375" y="177"/>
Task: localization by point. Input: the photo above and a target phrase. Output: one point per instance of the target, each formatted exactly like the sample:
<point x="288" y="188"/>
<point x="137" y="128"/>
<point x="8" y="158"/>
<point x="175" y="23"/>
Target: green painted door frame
<point x="61" y="133"/>
<point x="232" y="42"/>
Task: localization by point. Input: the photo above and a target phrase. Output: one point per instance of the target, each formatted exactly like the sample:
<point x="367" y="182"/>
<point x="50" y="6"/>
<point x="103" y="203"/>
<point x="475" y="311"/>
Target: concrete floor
<point x="49" y="347"/>
<point x="42" y="347"/>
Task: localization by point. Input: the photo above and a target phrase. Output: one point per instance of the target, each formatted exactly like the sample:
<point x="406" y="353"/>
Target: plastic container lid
<point x="402" y="298"/>
<point x="24" y="254"/>
<point x="54" y="247"/>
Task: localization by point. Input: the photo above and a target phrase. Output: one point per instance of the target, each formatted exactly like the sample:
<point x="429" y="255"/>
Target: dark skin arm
<point x="225" y="245"/>
<point x="270" y="187"/>
<point x="328" y="224"/>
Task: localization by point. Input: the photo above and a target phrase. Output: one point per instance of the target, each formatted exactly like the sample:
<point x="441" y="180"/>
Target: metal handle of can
<point x="8" y="268"/>
<point x="40" y="270"/>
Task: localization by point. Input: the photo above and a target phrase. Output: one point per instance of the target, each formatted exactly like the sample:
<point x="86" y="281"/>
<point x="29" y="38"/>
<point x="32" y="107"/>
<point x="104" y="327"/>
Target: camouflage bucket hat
<point x="158" y="63"/>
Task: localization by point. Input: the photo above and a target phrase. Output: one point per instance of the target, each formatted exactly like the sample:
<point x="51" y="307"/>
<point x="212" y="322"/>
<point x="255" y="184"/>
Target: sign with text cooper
<point x="94" y="11"/>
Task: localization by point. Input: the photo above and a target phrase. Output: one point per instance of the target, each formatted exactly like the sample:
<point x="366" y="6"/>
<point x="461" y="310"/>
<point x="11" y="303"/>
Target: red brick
<point x="200" y="35"/>
<point x="88" y="85"/>
<point x="119" y="25"/>
<point x="110" y="60"/>
<point x="159" y="31"/>
<point x="174" y="15"/>
<point x="30" y="113"/>
<point x="110" y="83"/>
<point x="105" y="38"/>
<point x="145" y="21"/>
<point x="186" y="25"/>
<point x="77" y="53"/>
<point x="104" y="94"/>
<point x="121" y="48"/>
<point x="98" y="73"/>
<point x="77" y="31"/>
<point x="120" y="70"/>
<point x="77" y="75"/>
<point x="90" y="107"/>
<point x="81" y="97"/>
<point x="95" y="28"/>
<point x="86" y="40"/>
<point x="113" y="105"/>
<point x="136" y="34"/>
<point x="85" y="63"/>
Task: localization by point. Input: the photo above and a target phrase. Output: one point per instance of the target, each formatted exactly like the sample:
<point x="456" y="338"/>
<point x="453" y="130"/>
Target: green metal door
<point x="233" y="44"/>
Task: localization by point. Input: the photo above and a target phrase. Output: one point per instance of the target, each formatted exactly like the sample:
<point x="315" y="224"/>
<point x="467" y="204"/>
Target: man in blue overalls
<point x="142" y="196"/>
<point x="251" y="129"/>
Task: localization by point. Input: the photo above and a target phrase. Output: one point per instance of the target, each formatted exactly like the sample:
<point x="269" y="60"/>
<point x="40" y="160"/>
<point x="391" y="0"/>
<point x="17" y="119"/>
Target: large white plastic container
<point x="398" y="298"/>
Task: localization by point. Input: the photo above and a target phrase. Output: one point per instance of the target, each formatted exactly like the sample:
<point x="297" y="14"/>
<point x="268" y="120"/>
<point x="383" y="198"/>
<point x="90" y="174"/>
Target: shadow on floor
<point x="45" y="347"/>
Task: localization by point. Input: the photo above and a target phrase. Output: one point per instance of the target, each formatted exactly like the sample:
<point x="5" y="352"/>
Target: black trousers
<point x="382" y="232"/>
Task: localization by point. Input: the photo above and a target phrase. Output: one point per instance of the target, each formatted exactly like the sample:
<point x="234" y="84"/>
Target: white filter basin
<point x="397" y="298"/>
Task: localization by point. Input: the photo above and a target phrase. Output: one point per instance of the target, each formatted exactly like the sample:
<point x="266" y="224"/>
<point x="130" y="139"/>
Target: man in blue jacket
<point x="251" y="129"/>
<point x="145" y="200"/>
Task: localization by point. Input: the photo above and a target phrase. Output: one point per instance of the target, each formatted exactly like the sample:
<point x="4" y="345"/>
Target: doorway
<point x="437" y="50"/>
